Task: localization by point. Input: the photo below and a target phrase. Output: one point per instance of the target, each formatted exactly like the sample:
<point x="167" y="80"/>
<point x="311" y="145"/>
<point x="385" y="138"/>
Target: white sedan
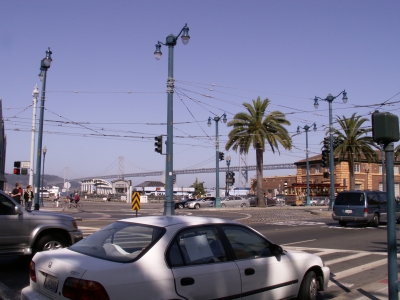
<point x="175" y="257"/>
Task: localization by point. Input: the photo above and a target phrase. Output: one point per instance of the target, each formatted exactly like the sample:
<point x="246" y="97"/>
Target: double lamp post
<point x="330" y="99"/>
<point x="170" y="42"/>
<point x="217" y="119"/>
<point x="306" y="128"/>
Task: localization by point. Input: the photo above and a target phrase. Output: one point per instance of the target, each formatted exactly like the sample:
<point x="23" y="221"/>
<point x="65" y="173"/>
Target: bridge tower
<point x="243" y="170"/>
<point x="121" y="167"/>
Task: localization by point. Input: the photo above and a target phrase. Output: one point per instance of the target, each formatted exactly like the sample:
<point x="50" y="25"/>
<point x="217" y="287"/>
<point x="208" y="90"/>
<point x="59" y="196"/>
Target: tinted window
<point x="372" y="199"/>
<point x="382" y="198"/>
<point x="196" y="245"/>
<point x="356" y="199"/>
<point x="7" y="207"/>
<point x="246" y="243"/>
<point x="119" y="242"/>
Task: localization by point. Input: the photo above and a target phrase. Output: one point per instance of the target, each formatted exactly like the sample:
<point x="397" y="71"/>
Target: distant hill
<point x="48" y="181"/>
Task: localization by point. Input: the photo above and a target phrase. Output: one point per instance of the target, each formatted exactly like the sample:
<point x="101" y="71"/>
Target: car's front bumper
<point x="326" y="272"/>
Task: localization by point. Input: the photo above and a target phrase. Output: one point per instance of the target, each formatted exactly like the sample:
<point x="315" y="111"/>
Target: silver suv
<point x="26" y="232"/>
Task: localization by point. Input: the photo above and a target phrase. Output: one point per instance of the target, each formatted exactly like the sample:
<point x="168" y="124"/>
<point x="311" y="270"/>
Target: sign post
<point x="136" y="201"/>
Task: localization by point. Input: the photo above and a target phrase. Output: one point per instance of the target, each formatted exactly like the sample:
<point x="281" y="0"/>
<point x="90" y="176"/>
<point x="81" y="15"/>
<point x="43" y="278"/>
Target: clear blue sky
<point x="287" y="51"/>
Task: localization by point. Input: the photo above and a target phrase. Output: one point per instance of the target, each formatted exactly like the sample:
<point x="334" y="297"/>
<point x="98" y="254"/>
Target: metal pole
<point x="391" y="224"/>
<point x="169" y="198"/>
<point x="331" y="157"/>
<point x="39" y="144"/>
<point x="229" y="177"/>
<point x="31" y="162"/>
<point x="217" y="198"/>
<point x="41" y="195"/>
<point x="383" y="169"/>
<point x="307" y="168"/>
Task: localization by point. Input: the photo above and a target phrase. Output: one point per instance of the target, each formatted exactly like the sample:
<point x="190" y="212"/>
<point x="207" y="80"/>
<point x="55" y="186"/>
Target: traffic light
<point x="17" y="167"/>
<point x="158" y="144"/>
<point x="336" y="142"/>
<point x="325" y="158"/>
<point x="221" y="156"/>
<point x="233" y="178"/>
<point x="327" y="143"/>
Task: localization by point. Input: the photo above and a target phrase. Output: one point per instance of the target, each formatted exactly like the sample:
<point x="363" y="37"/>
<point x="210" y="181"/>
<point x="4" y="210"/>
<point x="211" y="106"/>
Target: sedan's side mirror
<point x="276" y="250"/>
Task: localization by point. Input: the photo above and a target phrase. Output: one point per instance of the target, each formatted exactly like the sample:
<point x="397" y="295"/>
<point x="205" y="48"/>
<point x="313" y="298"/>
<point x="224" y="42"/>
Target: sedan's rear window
<point x="356" y="199"/>
<point x="120" y="241"/>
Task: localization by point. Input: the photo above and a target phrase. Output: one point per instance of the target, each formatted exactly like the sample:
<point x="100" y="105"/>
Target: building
<point x="368" y="176"/>
<point x="96" y="186"/>
<point x="120" y="186"/>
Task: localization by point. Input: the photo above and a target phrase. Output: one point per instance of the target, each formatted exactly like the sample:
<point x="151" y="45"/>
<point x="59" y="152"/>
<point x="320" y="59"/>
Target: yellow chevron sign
<point x="136" y="201"/>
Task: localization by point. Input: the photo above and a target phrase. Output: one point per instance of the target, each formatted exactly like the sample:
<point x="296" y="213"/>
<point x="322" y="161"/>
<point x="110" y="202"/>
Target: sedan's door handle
<point x="187" y="281"/>
<point x="249" y="271"/>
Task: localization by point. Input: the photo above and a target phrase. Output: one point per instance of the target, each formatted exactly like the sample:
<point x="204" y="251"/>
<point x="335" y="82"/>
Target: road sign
<point x="136" y="201"/>
<point x="67" y="185"/>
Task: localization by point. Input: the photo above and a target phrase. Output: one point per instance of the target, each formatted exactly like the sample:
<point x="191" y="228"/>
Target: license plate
<point x="348" y="211"/>
<point x="51" y="283"/>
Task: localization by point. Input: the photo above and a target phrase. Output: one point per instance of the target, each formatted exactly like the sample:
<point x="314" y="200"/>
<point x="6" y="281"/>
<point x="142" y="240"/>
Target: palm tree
<point x="354" y="143"/>
<point x="255" y="128"/>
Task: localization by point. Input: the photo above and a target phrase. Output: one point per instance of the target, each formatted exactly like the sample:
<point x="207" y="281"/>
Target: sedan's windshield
<point x="120" y="241"/>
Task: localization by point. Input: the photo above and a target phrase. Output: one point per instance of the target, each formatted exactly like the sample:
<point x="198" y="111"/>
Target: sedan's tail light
<point x="79" y="289"/>
<point x="32" y="271"/>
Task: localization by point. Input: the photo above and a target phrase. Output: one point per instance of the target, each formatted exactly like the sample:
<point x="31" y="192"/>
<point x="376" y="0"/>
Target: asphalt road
<point x="356" y="254"/>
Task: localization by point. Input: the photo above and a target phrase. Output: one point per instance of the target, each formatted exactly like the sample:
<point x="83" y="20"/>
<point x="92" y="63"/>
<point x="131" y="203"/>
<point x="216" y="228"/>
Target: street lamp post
<point x="306" y="128"/>
<point x="35" y="95"/>
<point x="217" y="119"/>
<point x="44" y="66"/>
<point x="228" y="163"/>
<point x="170" y="42"/>
<point x="44" y="157"/>
<point x="330" y="99"/>
<point x="367" y="171"/>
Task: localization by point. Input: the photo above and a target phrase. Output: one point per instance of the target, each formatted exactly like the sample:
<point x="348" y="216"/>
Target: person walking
<point x="28" y="196"/>
<point x="17" y="193"/>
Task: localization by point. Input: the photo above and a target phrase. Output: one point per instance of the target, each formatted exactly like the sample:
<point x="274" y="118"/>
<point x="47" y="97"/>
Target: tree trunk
<point x="351" y="173"/>
<point x="260" y="191"/>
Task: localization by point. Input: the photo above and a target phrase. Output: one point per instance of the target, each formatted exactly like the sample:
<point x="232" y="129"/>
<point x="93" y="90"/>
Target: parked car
<point x="234" y="201"/>
<point x="44" y="193"/>
<point x="181" y="204"/>
<point x="269" y="201"/>
<point x="202" y="202"/>
<point x="175" y="257"/>
<point x="363" y="207"/>
<point x="27" y="232"/>
<point x="319" y="200"/>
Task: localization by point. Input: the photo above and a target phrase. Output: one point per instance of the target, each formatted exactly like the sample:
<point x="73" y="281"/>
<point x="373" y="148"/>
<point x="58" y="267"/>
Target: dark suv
<point x="362" y="207"/>
<point x="25" y="232"/>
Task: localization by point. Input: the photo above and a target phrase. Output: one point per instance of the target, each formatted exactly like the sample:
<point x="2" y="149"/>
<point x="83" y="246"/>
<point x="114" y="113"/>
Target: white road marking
<point x="341" y="259"/>
<point x="356" y="270"/>
<point x="299" y="242"/>
<point x="297" y="223"/>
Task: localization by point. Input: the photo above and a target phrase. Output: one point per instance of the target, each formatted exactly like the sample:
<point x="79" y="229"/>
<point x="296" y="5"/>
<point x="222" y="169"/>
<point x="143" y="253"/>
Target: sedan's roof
<point x="164" y="221"/>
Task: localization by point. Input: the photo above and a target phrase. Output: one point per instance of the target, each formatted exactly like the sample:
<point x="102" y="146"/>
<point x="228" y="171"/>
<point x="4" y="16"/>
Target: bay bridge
<point x="243" y="171"/>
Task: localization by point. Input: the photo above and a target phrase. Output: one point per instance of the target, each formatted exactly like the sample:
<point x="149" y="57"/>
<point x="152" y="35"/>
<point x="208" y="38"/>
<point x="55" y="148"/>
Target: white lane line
<point x="326" y="252"/>
<point x="356" y="270"/>
<point x="299" y="242"/>
<point x="350" y="257"/>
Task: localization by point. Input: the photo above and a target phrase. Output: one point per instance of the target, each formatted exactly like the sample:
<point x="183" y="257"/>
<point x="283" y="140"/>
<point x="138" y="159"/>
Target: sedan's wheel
<point x="342" y="223"/>
<point x="180" y="206"/>
<point x="243" y="205"/>
<point x="223" y="205"/>
<point x="50" y="242"/>
<point x="197" y="206"/>
<point x="375" y="221"/>
<point x="309" y="287"/>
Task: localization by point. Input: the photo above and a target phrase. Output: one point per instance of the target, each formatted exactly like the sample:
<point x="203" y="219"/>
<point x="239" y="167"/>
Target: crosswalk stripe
<point x="356" y="270"/>
<point x="341" y="259"/>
